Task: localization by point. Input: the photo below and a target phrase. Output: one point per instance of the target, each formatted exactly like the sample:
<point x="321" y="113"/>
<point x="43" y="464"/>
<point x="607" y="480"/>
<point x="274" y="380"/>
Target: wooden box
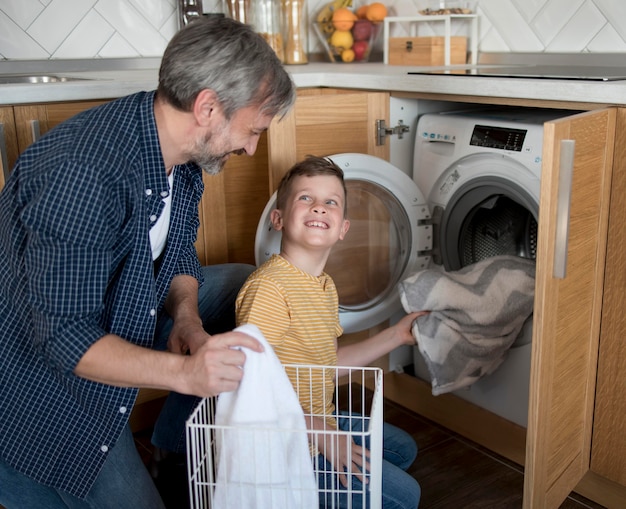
<point x="426" y="51"/>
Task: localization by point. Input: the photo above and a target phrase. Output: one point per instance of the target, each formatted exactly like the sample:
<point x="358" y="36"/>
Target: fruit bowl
<point x="347" y="35"/>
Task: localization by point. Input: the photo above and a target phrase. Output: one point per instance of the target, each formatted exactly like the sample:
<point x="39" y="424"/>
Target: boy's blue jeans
<point x="399" y="489"/>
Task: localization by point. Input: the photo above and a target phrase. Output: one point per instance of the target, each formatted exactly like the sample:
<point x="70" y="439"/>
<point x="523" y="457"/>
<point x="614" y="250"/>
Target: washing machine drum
<point x="488" y="216"/>
<point x="384" y="245"/>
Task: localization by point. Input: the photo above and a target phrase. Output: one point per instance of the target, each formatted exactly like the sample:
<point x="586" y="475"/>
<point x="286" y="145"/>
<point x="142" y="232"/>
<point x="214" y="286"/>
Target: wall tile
<point x="57" y="21"/>
<point x="528" y="8"/>
<point x="156" y="13"/>
<point x="579" y="31"/>
<point x="87" y="39"/>
<point x="492" y="42"/>
<point x="117" y="28"/>
<point x="24" y="12"/>
<point x="607" y="40"/>
<point x="118" y="47"/>
<point x="15" y="43"/>
<point x="553" y="17"/>
<point x="132" y="25"/>
<point x="615" y="12"/>
<point x="511" y="26"/>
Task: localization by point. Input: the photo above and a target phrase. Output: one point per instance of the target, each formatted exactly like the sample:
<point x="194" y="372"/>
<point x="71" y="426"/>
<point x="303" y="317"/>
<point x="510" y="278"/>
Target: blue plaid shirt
<point x="76" y="265"/>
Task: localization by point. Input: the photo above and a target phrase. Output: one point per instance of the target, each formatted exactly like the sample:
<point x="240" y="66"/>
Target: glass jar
<point x="295" y="31"/>
<point x="265" y="18"/>
<point x="239" y="10"/>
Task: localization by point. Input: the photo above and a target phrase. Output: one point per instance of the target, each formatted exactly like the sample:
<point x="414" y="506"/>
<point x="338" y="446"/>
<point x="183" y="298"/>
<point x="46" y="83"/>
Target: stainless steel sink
<point x="13" y="79"/>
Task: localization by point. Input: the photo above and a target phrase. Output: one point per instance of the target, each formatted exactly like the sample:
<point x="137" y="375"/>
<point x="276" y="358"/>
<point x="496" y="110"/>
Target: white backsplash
<point x="43" y="29"/>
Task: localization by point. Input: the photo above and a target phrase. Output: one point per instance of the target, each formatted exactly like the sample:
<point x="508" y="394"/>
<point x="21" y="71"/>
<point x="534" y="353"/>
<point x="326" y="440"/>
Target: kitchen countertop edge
<point x="109" y="84"/>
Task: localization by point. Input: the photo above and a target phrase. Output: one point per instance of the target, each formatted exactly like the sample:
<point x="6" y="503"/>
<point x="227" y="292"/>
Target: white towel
<point x="263" y="456"/>
<point x="476" y="315"/>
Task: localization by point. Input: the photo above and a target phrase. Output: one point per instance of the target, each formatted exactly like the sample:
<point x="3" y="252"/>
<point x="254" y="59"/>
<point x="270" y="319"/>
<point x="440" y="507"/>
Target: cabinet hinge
<point x="429" y="226"/>
<point x="382" y="130"/>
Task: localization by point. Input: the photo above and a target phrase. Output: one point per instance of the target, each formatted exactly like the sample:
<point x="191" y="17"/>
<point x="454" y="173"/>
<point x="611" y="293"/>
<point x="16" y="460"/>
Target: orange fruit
<point x="361" y="12"/>
<point x="347" y="55"/>
<point x="376" y="11"/>
<point x="343" y="18"/>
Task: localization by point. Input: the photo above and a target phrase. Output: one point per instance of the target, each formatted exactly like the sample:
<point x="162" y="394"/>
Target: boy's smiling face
<point x="313" y="215"/>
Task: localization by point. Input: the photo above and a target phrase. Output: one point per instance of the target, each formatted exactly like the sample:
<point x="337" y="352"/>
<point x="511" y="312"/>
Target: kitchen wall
<point x="42" y="29"/>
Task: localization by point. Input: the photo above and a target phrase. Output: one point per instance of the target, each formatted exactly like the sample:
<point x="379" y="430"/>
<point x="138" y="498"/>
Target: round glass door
<point x="368" y="263"/>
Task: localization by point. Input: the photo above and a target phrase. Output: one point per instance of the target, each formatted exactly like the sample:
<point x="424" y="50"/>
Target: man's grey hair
<point x="229" y="58"/>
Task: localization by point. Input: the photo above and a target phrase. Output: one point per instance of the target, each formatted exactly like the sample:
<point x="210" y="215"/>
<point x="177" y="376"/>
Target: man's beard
<point x="210" y="164"/>
<point x="203" y="155"/>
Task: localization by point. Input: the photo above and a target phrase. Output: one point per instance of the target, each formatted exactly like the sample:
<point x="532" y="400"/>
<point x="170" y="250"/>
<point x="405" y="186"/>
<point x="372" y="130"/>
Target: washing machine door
<point x="484" y="205"/>
<point x="390" y="237"/>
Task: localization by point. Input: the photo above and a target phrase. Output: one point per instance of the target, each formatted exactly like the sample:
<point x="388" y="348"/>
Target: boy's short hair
<point x="311" y="166"/>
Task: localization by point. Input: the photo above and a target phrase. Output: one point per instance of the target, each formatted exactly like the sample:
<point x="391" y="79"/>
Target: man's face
<point x="239" y="135"/>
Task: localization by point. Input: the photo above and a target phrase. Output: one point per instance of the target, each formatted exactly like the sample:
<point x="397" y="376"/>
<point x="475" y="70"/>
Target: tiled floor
<point x="453" y="472"/>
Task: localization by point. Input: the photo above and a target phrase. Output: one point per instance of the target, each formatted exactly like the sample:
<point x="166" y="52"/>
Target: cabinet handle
<point x="566" y="172"/>
<point x="4" y="156"/>
<point x="35" y="132"/>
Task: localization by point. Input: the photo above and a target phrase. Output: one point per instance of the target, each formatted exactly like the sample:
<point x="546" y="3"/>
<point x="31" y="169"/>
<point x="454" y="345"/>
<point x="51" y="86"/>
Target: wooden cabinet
<point x="22" y="125"/>
<point x="8" y="142"/>
<point x="230" y="208"/>
<point x="608" y="453"/>
<point x="327" y="121"/>
<point x="577" y="155"/>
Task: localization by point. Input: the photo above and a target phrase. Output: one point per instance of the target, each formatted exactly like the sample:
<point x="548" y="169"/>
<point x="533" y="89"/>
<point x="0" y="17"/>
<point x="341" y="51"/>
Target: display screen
<point x="502" y="138"/>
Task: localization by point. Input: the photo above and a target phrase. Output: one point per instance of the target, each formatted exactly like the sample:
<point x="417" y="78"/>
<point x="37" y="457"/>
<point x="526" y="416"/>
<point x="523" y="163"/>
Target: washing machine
<point x="474" y="194"/>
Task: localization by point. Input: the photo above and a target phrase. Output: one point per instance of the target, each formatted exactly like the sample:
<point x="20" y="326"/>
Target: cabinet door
<point x="3" y="165"/>
<point x="567" y="309"/>
<point x="34" y="120"/>
<point x="30" y="122"/>
<point x="608" y="453"/>
<point x="231" y="206"/>
<point x="8" y="142"/>
<point x="324" y="122"/>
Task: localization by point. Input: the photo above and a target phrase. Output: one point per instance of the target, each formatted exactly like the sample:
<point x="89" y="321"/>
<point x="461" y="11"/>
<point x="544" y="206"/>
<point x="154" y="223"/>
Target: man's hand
<point x="217" y="364"/>
<point x="187" y="336"/>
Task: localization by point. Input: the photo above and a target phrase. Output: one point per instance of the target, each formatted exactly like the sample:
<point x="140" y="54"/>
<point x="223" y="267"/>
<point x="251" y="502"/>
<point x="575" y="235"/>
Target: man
<point x="99" y="271"/>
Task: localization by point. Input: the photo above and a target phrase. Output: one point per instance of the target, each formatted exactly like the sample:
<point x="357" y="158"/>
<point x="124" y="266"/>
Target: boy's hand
<point x="346" y="457"/>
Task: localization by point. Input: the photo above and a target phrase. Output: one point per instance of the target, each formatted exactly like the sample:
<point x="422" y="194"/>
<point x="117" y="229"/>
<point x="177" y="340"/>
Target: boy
<point x="295" y="304"/>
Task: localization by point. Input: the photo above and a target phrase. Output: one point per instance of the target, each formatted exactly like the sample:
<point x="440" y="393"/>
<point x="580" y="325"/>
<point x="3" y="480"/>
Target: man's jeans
<point x="123" y="483"/>
<point x="216" y="301"/>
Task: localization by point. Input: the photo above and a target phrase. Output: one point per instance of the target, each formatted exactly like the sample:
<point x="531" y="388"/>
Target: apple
<point x="362" y="30"/>
<point x="360" y="49"/>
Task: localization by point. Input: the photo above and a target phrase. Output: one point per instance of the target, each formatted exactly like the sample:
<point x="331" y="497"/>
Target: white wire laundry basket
<point x="236" y="467"/>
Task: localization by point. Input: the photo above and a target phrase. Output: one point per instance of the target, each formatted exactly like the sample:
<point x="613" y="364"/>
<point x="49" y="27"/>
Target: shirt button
<point x="165" y="194"/>
<point x="153" y="218"/>
<point x="152" y="312"/>
<point x="104" y="448"/>
<point x="122" y="410"/>
<point x="148" y="192"/>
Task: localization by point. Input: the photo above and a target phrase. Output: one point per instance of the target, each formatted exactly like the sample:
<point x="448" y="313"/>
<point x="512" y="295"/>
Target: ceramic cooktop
<point x="562" y="72"/>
